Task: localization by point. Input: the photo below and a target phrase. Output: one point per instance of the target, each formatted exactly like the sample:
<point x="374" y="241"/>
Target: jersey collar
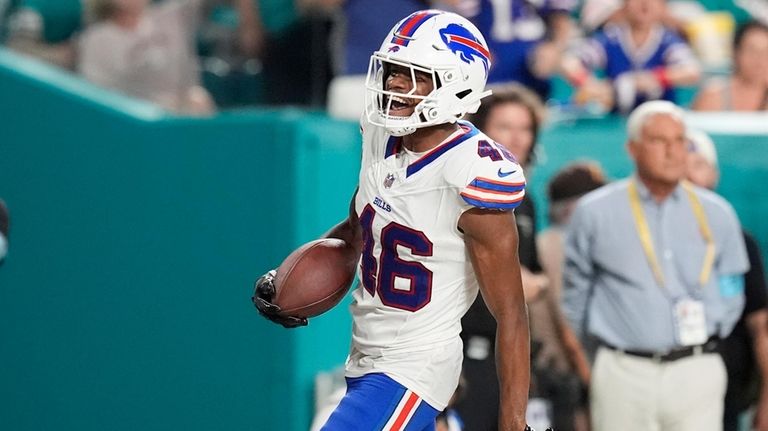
<point x="467" y="131"/>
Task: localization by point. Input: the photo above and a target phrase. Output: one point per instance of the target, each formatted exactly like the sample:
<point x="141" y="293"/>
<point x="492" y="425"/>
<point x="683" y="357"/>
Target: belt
<point x="711" y="346"/>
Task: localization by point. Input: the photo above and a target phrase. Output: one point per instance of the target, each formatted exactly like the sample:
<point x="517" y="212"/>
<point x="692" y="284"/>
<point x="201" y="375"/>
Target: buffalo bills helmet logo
<point x="463" y="43"/>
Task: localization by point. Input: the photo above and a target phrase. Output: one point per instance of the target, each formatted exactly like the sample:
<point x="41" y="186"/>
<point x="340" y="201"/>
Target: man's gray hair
<point x="642" y="113"/>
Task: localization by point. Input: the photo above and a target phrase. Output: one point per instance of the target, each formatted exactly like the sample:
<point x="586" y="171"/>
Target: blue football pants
<point x="375" y="402"/>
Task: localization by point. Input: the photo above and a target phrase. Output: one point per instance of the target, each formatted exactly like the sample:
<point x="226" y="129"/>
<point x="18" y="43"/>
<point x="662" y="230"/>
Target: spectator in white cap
<point x="702" y="160"/>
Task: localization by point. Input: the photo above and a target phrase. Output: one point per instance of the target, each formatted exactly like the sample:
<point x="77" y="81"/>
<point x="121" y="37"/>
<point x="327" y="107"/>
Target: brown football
<point x="315" y="277"/>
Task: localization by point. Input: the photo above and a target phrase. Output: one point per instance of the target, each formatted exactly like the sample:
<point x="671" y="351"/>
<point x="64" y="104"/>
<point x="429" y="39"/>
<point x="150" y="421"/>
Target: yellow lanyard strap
<point x="706" y="233"/>
<point x="645" y="233"/>
<point x="647" y="242"/>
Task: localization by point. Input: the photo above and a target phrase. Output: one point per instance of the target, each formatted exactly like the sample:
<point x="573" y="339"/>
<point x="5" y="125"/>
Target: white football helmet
<point x="448" y="48"/>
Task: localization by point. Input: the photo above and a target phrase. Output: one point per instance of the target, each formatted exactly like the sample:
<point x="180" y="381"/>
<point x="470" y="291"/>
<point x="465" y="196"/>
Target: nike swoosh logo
<point x="506" y="174"/>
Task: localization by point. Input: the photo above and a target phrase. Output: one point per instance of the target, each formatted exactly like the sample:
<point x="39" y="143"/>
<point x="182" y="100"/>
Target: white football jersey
<point x="417" y="280"/>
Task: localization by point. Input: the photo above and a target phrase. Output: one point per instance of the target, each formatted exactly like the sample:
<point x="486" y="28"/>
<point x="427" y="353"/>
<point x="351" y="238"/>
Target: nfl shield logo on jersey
<point x="389" y="180"/>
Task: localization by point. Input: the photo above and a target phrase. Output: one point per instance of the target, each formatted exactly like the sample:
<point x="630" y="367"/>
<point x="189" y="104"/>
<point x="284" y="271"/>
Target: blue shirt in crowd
<point x="610" y="291"/>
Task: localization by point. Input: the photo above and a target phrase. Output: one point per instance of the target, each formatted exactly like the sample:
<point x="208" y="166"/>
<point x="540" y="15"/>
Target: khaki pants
<point x="631" y="393"/>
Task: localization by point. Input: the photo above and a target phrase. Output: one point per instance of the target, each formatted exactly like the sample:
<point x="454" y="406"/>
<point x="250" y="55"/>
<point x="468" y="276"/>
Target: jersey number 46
<point x="379" y="276"/>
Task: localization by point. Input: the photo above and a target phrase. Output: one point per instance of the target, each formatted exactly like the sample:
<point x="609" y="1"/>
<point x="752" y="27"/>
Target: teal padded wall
<point x="135" y="239"/>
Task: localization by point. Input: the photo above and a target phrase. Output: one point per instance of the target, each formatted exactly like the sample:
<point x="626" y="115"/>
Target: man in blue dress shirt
<point x="654" y="271"/>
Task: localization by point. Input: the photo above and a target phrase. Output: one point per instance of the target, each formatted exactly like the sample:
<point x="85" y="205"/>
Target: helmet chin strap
<point x="402" y="131"/>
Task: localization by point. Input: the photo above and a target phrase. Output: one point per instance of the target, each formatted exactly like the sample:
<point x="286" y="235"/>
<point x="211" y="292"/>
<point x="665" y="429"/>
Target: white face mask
<point x="3" y="247"/>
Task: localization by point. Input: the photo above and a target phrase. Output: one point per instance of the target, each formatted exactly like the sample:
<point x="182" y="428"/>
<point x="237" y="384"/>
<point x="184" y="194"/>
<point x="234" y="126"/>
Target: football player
<point x="433" y="220"/>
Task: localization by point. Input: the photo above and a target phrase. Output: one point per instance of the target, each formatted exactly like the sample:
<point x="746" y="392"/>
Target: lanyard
<point x="647" y="242"/>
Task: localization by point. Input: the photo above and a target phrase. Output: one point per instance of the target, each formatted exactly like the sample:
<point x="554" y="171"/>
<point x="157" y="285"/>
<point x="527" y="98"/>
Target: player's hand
<point x="263" y="293"/>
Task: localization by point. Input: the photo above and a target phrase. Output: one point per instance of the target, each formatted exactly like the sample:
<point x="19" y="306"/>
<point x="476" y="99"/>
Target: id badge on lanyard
<point x="688" y="313"/>
<point x="690" y="322"/>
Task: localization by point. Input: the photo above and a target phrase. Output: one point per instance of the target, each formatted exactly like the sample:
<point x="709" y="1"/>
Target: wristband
<point x="579" y="78"/>
<point x="660" y="73"/>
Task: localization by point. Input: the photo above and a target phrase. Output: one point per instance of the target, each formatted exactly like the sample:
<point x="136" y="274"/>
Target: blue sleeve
<point x="730" y="266"/>
<point x="676" y="50"/>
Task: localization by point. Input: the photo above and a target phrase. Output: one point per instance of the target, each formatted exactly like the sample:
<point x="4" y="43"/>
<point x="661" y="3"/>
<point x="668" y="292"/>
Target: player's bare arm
<point x="348" y="229"/>
<point x="491" y="238"/>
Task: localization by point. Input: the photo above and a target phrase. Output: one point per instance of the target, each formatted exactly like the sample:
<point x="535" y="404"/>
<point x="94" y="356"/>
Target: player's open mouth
<point x="399" y="105"/>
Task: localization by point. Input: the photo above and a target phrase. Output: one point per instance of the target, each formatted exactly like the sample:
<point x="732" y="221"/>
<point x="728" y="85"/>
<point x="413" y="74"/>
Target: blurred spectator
<point x="145" y="51"/>
<point x="511" y="116"/>
<point x="702" y="168"/>
<point x="526" y="38"/>
<point x="709" y="33"/>
<point x="757" y="9"/>
<point x="654" y="271"/>
<point x="45" y="29"/>
<point x="241" y="16"/>
<point x="747" y="88"/>
<point x="6" y="8"/>
<point x="564" y="362"/>
<point x="4" y="224"/>
<point x="362" y="28"/>
<point x="640" y="58"/>
<point x="745" y="351"/>
<point x="230" y="42"/>
<point x="295" y="50"/>
<point x="594" y="14"/>
<point x="251" y="37"/>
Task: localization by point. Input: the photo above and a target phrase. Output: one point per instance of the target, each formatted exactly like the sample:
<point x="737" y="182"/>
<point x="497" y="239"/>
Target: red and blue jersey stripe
<point x="393" y="146"/>
<point x="494" y="194"/>
<point x="490" y="186"/>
